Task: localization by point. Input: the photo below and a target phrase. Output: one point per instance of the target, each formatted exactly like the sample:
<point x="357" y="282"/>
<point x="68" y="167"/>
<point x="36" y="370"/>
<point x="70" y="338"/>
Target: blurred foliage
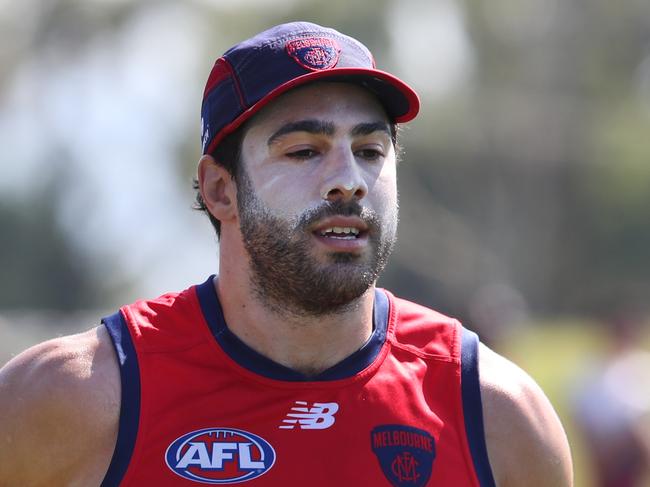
<point x="40" y="265"/>
<point x="540" y="182"/>
<point x="528" y="181"/>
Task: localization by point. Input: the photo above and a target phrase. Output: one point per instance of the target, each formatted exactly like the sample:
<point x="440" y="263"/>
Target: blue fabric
<point x="220" y="107"/>
<point x="473" y="408"/>
<point x="282" y="58"/>
<point x="255" y="362"/>
<point x="262" y="63"/>
<point x="130" y="402"/>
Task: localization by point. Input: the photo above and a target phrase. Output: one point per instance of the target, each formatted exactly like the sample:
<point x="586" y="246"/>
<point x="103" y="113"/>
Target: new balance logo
<point x="318" y="416"/>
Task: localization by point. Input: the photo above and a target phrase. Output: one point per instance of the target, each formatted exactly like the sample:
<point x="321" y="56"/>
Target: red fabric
<point x="189" y="383"/>
<point x="220" y="71"/>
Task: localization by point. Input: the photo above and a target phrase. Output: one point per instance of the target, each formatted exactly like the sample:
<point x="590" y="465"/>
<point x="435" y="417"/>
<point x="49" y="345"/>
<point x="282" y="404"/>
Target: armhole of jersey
<point x="130" y="399"/>
<point x="473" y="408"/>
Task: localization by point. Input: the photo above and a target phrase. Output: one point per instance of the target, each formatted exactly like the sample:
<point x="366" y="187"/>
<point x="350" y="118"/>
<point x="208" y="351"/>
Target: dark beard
<point x="284" y="274"/>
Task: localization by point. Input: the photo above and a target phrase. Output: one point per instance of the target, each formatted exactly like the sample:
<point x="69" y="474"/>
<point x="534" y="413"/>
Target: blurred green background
<point x="525" y="187"/>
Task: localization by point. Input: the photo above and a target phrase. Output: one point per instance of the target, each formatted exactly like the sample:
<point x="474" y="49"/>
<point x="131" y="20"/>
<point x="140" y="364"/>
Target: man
<point x="290" y="367"/>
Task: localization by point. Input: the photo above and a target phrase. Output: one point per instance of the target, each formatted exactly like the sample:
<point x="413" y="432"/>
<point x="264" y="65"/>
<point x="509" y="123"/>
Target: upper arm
<point x="59" y="408"/>
<point x="525" y="439"/>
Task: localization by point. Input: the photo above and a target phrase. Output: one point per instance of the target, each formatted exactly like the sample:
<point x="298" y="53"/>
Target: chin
<point x="344" y="258"/>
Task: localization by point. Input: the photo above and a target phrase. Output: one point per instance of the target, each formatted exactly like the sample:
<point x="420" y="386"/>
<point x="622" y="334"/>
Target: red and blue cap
<point x="256" y="71"/>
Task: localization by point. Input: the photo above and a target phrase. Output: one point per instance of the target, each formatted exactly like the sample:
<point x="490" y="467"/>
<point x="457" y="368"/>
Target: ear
<point x="217" y="189"/>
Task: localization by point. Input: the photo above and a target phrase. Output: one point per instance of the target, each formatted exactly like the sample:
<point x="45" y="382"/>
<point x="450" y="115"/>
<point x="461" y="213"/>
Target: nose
<point x="344" y="179"/>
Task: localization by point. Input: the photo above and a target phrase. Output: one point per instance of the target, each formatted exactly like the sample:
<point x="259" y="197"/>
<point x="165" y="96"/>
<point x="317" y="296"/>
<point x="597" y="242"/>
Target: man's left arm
<point x="527" y="445"/>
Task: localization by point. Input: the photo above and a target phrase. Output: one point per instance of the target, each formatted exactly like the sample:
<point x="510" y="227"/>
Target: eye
<point x="369" y="154"/>
<point x="302" y="154"/>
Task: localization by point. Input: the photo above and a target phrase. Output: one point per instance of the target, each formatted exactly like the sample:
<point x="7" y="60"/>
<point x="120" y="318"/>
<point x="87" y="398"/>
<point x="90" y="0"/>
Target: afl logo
<point x="220" y="456"/>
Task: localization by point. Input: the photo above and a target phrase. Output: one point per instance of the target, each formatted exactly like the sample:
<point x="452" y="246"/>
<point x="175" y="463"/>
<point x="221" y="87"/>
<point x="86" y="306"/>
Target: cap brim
<point x="400" y="101"/>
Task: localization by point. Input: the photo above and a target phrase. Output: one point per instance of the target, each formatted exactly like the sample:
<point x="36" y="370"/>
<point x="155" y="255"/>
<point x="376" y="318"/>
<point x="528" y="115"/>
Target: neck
<point x="307" y="344"/>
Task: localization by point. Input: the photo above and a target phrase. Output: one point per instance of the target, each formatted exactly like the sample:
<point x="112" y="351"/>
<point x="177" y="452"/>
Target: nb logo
<point x="318" y="416"/>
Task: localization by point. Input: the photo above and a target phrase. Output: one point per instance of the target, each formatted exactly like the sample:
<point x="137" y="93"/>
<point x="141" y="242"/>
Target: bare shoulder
<point x="64" y="396"/>
<point x="525" y="439"/>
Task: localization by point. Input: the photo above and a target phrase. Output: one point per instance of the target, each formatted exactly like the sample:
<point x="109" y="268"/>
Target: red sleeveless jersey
<point x="200" y="407"/>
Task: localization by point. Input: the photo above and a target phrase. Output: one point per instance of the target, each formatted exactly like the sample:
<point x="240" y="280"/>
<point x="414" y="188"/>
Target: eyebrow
<point x="369" y="128"/>
<point x="319" y="127"/>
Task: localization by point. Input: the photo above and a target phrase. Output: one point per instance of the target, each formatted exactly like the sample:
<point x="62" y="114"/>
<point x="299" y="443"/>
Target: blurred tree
<point x="536" y="175"/>
<point x="41" y="268"/>
<point x="531" y="176"/>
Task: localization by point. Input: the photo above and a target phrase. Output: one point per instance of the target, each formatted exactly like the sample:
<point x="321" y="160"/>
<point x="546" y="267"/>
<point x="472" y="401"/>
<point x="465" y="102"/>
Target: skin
<point x="296" y="172"/>
<point x="64" y="395"/>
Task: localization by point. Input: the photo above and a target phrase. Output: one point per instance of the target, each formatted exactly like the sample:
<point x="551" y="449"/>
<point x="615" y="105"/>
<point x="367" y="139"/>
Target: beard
<point x="287" y="277"/>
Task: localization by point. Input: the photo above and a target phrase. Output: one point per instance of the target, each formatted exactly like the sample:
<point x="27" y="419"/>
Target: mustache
<point x="339" y="208"/>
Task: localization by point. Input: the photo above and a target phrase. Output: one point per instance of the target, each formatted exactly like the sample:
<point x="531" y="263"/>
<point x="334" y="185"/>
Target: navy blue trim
<point x="130" y="402"/>
<point x="473" y="408"/>
<point x="255" y="362"/>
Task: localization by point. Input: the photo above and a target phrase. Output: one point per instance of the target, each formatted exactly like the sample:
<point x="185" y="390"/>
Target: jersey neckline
<point x="257" y="363"/>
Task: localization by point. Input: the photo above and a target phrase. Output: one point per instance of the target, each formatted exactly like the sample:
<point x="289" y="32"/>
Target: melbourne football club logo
<point x="405" y="454"/>
<point x="314" y="53"/>
<point x="220" y="456"/>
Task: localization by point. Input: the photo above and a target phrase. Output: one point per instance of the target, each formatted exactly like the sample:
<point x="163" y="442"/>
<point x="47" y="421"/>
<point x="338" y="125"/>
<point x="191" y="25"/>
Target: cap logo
<point x="314" y="53"/>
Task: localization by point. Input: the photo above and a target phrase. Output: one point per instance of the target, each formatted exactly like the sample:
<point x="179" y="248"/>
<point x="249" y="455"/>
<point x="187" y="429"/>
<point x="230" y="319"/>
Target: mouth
<point x="340" y="233"/>
<point x="343" y="234"/>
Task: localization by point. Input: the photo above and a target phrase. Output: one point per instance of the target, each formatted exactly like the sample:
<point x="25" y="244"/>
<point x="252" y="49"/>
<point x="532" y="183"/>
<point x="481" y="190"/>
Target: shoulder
<point x="525" y="439"/>
<point x="64" y="396"/>
<point x="423" y="330"/>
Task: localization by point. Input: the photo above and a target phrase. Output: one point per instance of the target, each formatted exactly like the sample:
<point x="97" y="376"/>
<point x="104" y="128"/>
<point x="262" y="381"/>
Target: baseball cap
<point x="256" y="71"/>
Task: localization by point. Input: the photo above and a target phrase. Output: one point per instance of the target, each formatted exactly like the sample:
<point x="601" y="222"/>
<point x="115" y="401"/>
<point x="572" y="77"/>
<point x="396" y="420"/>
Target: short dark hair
<point x="228" y="155"/>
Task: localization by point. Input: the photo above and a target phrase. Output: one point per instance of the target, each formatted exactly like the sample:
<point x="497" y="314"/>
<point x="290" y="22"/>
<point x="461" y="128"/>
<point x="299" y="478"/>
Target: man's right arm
<point x="527" y="445"/>
<point x="59" y="412"/>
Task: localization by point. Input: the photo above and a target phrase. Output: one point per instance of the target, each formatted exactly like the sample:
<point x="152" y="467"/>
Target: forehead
<point x="344" y="104"/>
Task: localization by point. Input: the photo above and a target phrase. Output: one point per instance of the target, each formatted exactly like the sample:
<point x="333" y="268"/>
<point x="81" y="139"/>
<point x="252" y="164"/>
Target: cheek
<point x="385" y="191"/>
<point x="386" y="204"/>
<point x="388" y="211"/>
<point x="269" y="184"/>
<point x="285" y="197"/>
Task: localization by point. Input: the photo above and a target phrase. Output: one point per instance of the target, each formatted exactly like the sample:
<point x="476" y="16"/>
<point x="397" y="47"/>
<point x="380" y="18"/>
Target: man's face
<point x="317" y="198"/>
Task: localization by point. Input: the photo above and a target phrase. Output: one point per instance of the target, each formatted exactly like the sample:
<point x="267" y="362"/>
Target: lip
<point x="334" y="244"/>
<point x="341" y="221"/>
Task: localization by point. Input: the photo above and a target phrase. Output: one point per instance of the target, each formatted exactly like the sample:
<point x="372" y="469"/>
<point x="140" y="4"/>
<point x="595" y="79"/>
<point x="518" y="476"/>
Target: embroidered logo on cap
<point x="405" y="454"/>
<point x="314" y="53"/>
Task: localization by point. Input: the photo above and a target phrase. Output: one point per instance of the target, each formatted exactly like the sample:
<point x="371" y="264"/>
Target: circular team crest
<point x="314" y="53"/>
